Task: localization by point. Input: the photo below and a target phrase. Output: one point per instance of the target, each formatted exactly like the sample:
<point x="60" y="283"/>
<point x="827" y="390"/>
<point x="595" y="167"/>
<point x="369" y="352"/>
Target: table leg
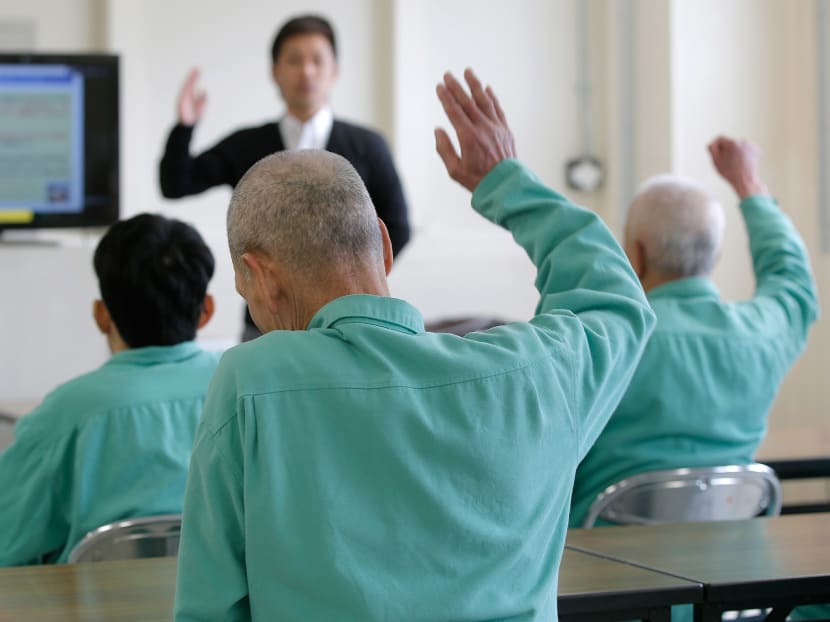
<point x="707" y="612"/>
<point x="660" y="614"/>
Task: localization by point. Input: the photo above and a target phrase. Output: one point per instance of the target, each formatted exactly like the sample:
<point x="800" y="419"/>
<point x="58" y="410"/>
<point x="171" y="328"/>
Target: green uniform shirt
<point x="111" y="444"/>
<point x="711" y="370"/>
<point x="811" y="612"/>
<point x="366" y="470"/>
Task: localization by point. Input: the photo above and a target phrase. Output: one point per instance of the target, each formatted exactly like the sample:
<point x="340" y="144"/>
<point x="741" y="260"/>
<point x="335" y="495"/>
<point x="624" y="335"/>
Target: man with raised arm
<point x="351" y="466"/>
<point x="305" y="69"/>
<point x="711" y="371"/>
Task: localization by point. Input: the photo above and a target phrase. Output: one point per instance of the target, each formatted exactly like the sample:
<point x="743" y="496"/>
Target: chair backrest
<point x="734" y="492"/>
<point x="148" y="536"/>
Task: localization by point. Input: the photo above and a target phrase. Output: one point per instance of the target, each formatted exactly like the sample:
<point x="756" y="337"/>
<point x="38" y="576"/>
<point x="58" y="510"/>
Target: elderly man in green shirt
<point x="349" y="465"/>
<point x="711" y="370"/>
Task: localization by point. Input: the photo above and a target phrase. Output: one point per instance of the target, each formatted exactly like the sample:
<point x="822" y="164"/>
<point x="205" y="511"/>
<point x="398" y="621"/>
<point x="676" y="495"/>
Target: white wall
<point x="459" y="263"/>
<point x="47" y="332"/>
<point x="68" y="25"/>
<point x="749" y="78"/>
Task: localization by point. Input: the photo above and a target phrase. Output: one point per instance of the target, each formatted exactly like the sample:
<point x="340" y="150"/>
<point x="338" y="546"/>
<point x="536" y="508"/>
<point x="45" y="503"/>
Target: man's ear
<point x="208" y="307"/>
<point x="102" y="317"/>
<point x="388" y="256"/>
<point x="264" y="279"/>
<point x="636" y="252"/>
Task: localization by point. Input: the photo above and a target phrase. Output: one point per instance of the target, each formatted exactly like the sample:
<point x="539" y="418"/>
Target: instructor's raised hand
<point x="480" y="126"/>
<point x="191" y="101"/>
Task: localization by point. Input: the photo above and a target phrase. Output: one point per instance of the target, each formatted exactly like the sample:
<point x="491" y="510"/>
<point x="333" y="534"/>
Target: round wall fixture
<point x="584" y="174"/>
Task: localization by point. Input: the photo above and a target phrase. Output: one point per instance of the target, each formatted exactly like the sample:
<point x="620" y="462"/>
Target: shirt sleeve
<point x="384" y="187"/>
<point x="785" y="301"/>
<point x="32" y="521"/>
<point x="181" y="174"/>
<point x="592" y="308"/>
<point x="211" y="579"/>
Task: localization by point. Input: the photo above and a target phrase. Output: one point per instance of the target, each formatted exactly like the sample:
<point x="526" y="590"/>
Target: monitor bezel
<point x="87" y="218"/>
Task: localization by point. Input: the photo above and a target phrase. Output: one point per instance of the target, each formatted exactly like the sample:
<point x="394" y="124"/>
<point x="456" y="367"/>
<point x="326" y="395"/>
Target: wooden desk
<point x="590" y="588"/>
<point x="595" y="588"/>
<point x="133" y="591"/>
<point x="775" y="562"/>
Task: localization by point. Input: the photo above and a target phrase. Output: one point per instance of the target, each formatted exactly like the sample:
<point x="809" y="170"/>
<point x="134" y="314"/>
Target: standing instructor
<point x="304" y="57"/>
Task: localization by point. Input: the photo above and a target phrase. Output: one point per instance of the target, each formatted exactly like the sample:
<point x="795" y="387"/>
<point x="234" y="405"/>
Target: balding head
<point x="307" y="208"/>
<point x="676" y="226"/>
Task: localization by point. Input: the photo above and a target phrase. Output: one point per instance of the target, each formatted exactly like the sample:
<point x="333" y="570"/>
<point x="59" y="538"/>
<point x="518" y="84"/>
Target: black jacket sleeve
<point x="181" y="175"/>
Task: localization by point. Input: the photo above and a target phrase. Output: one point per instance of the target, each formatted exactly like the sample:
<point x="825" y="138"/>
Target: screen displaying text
<point x="41" y="138"/>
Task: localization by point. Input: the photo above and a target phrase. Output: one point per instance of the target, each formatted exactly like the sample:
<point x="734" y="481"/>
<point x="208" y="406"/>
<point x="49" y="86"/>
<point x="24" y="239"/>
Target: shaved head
<point x="679" y="225"/>
<point x="309" y="208"/>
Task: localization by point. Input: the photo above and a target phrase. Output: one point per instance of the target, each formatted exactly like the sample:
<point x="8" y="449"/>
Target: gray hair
<point x="309" y="208"/>
<point x="679" y="224"/>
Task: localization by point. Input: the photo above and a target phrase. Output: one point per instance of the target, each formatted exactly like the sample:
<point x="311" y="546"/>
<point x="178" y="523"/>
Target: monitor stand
<point x="25" y="237"/>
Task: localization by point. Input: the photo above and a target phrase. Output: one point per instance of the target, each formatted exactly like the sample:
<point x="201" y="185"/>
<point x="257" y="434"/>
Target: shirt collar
<point x="689" y="287"/>
<point x="313" y="134"/>
<point x="154" y="355"/>
<point x="366" y="309"/>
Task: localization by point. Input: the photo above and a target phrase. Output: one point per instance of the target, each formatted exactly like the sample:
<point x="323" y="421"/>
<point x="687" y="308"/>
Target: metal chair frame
<point x="702" y="482"/>
<point x="147" y="536"/>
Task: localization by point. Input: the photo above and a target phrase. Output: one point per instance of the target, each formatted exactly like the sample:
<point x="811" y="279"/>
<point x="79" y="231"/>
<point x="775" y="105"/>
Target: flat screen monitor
<point x="59" y="134"/>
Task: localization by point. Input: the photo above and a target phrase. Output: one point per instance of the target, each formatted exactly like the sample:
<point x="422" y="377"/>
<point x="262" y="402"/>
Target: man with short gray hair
<point x="323" y="212"/>
<point x="675" y="229"/>
<point x="350" y="465"/>
<point x="711" y="370"/>
<point x="302" y="230"/>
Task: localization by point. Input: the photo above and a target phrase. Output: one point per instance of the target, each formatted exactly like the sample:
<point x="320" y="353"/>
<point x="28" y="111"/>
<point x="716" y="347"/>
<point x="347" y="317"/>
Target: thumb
<point x="447" y="152"/>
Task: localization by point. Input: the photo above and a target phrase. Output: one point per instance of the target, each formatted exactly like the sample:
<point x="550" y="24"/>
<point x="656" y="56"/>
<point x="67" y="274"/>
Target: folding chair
<point x="148" y="536"/>
<point x="734" y="492"/>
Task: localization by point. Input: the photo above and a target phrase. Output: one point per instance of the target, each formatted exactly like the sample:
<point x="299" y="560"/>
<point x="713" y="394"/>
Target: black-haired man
<point x="116" y="442"/>
<point x="304" y="68"/>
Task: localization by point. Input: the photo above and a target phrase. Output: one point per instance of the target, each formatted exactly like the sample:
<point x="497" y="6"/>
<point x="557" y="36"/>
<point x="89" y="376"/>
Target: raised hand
<point x="737" y="161"/>
<point x="191" y="101"/>
<point x="480" y="126"/>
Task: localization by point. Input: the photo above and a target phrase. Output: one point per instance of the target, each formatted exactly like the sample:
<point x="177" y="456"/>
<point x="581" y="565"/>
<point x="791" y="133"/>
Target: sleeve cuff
<point x="759" y="201"/>
<point x="493" y="179"/>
